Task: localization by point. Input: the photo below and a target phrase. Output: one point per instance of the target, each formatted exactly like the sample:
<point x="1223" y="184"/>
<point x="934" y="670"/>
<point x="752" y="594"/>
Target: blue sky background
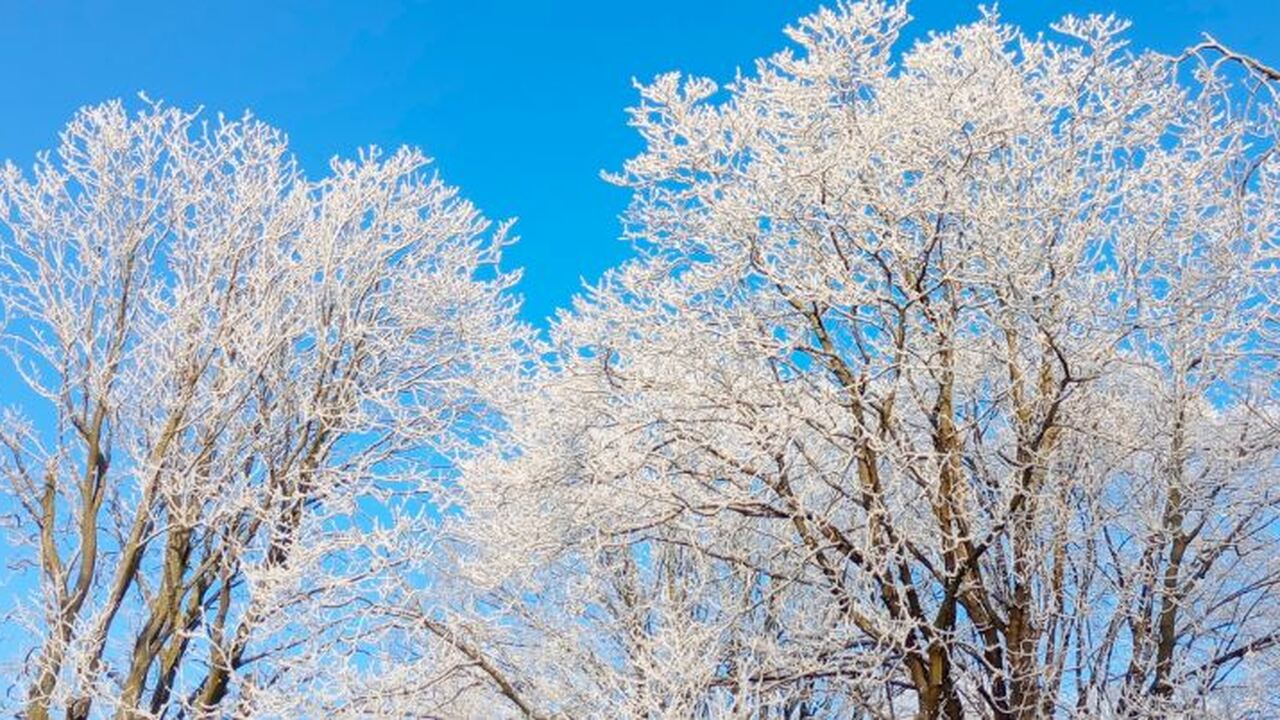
<point x="520" y="103"/>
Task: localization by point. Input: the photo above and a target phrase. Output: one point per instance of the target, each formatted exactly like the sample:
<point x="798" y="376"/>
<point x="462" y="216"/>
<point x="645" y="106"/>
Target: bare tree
<point x="944" y="385"/>
<point x="243" y="392"/>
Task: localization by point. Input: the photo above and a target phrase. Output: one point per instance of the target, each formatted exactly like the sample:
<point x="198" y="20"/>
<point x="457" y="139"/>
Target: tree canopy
<point x="942" y="384"/>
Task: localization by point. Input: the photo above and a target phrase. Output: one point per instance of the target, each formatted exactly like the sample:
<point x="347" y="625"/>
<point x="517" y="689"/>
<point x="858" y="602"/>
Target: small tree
<point x="944" y="385"/>
<point x="241" y="387"/>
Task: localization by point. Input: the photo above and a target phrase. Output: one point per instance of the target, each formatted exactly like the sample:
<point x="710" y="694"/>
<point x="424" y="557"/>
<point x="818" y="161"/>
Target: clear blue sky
<point x="520" y="102"/>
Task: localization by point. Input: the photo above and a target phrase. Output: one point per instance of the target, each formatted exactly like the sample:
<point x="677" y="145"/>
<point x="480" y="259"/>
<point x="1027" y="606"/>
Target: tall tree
<point x="241" y="388"/>
<point x="944" y="385"/>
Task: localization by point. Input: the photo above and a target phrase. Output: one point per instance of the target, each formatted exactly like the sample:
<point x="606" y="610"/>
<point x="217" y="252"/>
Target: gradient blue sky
<point x="520" y="103"/>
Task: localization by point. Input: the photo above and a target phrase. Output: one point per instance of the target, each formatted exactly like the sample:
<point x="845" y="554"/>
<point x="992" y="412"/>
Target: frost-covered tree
<point x="944" y="385"/>
<point x="241" y="392"/>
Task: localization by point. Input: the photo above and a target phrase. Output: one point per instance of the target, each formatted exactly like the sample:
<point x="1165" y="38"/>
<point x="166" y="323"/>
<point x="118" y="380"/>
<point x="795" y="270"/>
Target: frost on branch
<point x="243" y="389"/>
<point x="943" y="385"/>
